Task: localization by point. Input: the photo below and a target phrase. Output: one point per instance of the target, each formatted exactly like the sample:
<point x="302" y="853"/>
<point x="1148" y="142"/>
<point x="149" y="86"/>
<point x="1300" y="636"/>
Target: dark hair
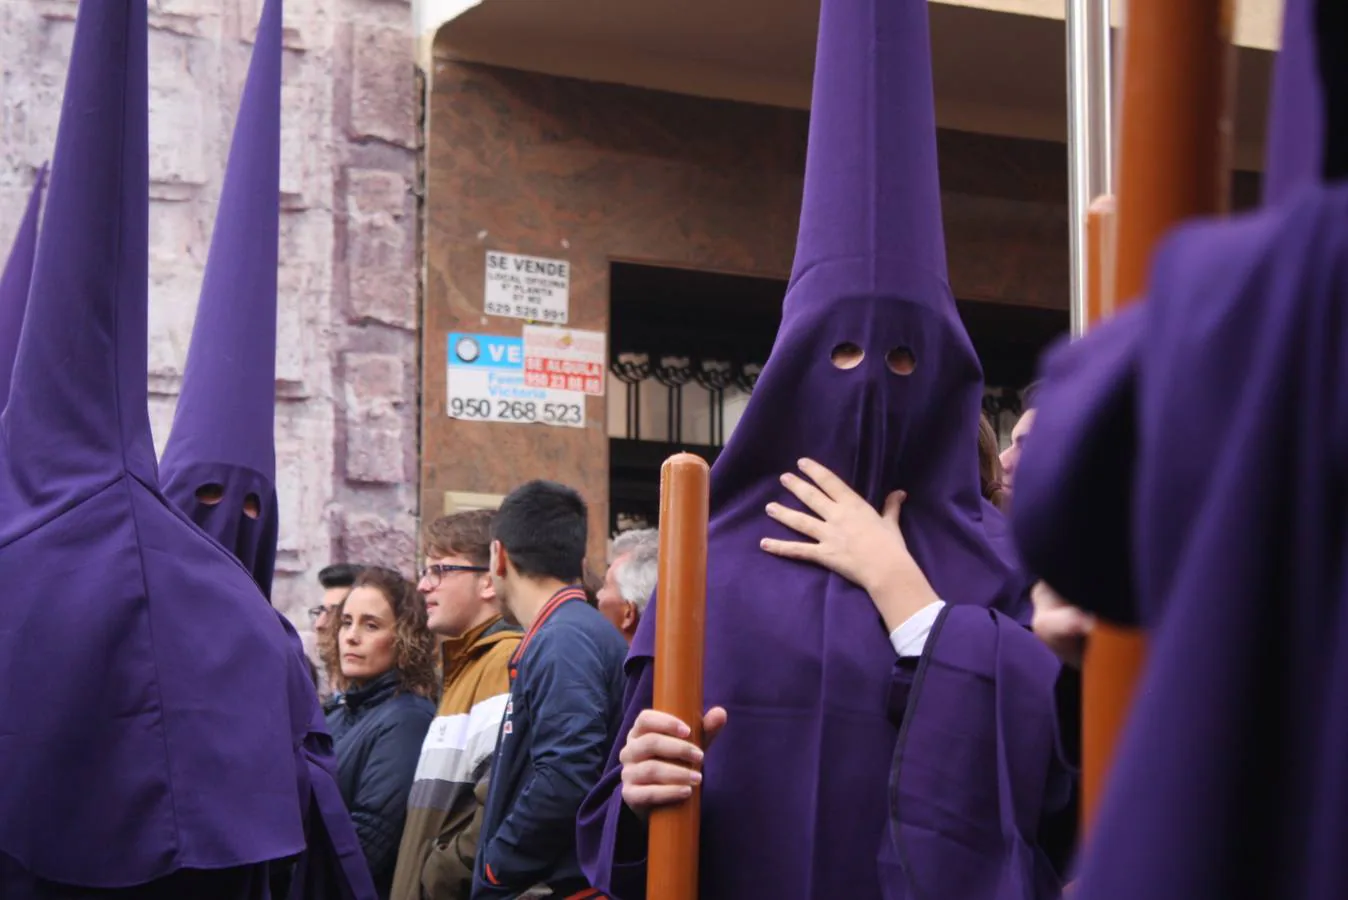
<point x="593" y="584"/>
<point x="466" y="534"/>
<point x="414" y="652"/>
<point x="1030" y="395"/>
<point x="543" y="527"/>
<point x="338" y="575"/>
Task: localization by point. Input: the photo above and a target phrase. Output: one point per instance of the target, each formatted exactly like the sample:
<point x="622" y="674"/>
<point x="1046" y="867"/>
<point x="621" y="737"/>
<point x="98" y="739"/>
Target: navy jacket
<point x="378" y="734"/>
<point x="565" y="708"/>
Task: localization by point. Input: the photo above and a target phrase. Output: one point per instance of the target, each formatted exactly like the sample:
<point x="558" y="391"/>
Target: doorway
<point x="686" y="346"/>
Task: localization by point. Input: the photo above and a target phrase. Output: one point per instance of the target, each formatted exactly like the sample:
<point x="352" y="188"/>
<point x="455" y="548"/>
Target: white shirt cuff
<point x="910" y="638"/>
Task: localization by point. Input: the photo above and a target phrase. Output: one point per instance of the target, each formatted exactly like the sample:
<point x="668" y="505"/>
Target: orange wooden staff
<point x="680" y="629"/>
<point x="1101" y="222"/>
<point x="1174" y="162"/>
<point x="1115" y="654"/>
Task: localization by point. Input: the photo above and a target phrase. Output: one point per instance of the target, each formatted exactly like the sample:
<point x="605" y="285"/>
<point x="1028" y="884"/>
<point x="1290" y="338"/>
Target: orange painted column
<point x="1174" y="163"/>
<point x="680" y="632"/>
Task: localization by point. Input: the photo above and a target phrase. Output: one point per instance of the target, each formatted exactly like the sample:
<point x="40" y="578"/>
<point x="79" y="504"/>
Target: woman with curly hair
<point x="378" y="725"/>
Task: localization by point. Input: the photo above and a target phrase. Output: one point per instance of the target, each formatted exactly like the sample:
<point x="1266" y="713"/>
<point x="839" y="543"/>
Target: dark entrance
<point x="686" y="347"/>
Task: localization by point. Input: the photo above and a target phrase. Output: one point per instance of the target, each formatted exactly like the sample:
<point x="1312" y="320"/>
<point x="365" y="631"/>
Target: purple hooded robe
<point x="223" y="436"/>
<point x="145" y="735"/>
<point x="223" y="433"/>
<point x="844" y="772"/>
<point x="1219" y="406"/>
<point x="14" y="282"/>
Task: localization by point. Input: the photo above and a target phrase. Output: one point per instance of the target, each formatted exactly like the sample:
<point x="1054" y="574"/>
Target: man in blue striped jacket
<point x="565" y="706"/>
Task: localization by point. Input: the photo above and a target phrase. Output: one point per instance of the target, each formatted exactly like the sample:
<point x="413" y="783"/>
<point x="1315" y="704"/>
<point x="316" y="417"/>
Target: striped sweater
<point x="449" y="791"/>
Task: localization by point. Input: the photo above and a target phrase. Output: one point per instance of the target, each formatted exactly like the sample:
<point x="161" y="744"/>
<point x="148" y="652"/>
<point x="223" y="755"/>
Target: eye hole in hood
<point x="847" y="355"/>
<point x="901" y="361"/>
<point x="210" y="494"/>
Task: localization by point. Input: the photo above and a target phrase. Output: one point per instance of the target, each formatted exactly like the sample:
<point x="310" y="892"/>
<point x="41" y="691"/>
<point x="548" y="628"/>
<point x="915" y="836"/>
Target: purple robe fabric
<point x="250" y="883"/>
<point x="223" y="431"/>
<point x="332" y="867"/>
<point x="794" y="803"/>
<point x="995" y="796"/>
<point x="1084" y="439"/>
<point x="1237" y="555"/>
<point x="1232" y="776"/>
<point x="144" y="727"/>
<point x="998" y="533"/>
<point x="14" y="282"/>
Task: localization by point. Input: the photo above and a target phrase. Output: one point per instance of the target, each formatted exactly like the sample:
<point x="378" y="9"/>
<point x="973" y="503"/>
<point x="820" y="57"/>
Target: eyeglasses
<point x="432" y="574"/>
<point x="316" y="612"/>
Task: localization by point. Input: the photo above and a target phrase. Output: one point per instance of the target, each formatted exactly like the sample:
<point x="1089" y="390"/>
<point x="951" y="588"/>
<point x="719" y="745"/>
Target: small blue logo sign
<point x="485" y="351"/>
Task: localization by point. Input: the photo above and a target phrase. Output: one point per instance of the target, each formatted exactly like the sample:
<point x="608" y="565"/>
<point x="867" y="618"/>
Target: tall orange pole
<point x="680" y="630"/>
<point x="1101" y="223"/>
<point x="1174" y="163"/>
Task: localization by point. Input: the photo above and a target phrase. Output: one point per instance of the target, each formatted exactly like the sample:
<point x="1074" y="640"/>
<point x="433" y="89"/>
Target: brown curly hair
<point x="990" y="465"/>
<point x="327" y="652"/>
<point x="414" y="645"/>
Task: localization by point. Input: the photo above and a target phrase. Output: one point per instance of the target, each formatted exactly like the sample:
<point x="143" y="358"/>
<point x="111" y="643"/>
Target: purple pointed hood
<point x="872" y="199"/>
<point x="219" y="462"/>
<point x="142" y="673"/>
<point x="1295" y="145"/>
<point x="870" y="271"/>
<point x="797" y="654"/>
<point x="15" y="280"/>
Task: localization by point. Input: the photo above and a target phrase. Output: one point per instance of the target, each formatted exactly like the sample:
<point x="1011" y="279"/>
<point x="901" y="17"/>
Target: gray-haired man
<point x="630" y="579"/>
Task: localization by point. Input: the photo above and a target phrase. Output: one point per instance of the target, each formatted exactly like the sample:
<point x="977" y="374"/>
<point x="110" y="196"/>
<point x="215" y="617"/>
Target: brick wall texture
<point x="346" y="361"/>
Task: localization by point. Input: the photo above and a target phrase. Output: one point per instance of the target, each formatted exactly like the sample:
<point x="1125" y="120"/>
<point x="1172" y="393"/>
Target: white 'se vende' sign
<point x="527" y="287"/>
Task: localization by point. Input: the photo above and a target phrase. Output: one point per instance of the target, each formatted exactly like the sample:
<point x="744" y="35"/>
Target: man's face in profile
<point x="332" y="598"/>
<point x="501" y="582"/>
<point x="1011" y="455"/>
<point x="611" y="602"/>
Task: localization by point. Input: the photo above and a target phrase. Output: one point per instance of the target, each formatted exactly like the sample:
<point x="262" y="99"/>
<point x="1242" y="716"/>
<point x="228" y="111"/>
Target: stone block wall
<point x="347" y="374"/>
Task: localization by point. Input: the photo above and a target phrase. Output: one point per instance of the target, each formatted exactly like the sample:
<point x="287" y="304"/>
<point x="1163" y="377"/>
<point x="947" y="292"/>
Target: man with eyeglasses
<point x="336" y="580"/>
<point x="444" y="810"/>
